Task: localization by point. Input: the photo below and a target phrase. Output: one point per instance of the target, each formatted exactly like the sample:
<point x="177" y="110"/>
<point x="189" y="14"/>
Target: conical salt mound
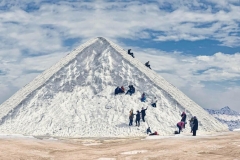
<point x="75" y="98"/>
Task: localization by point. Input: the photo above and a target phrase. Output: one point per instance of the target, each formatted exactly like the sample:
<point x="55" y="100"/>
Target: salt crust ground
<point x="221" y="146"/>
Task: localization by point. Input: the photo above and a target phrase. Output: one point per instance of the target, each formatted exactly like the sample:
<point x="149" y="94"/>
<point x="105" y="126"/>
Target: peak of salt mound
<point x="74" y="98"/>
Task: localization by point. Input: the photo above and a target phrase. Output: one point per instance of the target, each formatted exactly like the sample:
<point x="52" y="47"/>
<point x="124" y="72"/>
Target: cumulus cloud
<point x="34" y="35"/>
<point x="211" y="81"/>
<point x="133" y="19"/>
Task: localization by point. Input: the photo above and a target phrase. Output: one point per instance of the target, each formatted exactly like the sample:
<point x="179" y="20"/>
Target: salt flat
<point x="219" y="146"/>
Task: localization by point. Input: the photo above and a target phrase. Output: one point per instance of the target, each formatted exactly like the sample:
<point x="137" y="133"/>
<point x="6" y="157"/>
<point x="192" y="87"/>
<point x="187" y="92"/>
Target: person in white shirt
<point x="154" y="102"/>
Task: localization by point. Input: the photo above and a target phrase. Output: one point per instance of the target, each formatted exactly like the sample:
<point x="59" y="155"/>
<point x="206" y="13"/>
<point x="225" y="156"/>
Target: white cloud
<point x="41" y="33"/>
<point x="215" y="98"/>
<point x="217" y="85"/>
<point x="19" y="73"/>
<point x="120" y="20"/>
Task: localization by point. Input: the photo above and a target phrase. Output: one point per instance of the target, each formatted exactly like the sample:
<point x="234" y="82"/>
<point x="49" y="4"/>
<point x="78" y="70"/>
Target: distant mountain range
<point x="228" y="116"/>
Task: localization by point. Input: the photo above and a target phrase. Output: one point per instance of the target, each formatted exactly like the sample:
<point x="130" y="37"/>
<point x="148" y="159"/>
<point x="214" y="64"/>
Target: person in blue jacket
<point x="143" y="98"/>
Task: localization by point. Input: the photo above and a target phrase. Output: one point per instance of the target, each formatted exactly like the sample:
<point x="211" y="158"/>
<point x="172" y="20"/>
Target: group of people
<point x="142" y="113"/>
<point x="139" y="115"/>
<point x="131" y="90"/>
<point x="154" y="100"/>
<point x="193" y="124"/>
<point x="119" y="90"/>
<point x="146" y="64"/>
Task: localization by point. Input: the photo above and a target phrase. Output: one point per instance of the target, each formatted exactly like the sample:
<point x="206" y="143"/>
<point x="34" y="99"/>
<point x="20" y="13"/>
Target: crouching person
<point x="180" y="126"/>
<point x="149" y="130"/>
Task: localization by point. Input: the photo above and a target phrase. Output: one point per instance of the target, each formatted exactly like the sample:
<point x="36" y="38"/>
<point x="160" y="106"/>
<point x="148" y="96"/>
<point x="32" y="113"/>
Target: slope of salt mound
<point x="74" y="98"/>
<point x="103" y="116"/>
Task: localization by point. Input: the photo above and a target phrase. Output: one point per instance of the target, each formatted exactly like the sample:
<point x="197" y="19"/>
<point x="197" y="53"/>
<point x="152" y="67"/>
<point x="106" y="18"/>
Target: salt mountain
<point x="227" y="116"/>
<point x="74" y="98"/>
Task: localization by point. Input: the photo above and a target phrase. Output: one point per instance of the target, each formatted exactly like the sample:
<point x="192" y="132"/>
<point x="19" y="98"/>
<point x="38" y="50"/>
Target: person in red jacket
<point x="155" y="133"/>
<point x="180" y="126"/>
<point x="122" y="89"/>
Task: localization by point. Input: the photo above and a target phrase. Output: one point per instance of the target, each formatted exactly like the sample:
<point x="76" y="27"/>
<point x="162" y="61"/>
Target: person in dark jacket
<point x="195" y="126"/>
<point x="130" y="53"/>
<point x="138" y="117"/>
<point x="122" y="90"/>
<point x="149" y="130"/>
<point x="131" y="90"/>
<point x="117" y="90"/>
<point x="143" y="112"/>
<point x="184" y="116"/>
<point x="147" y="64"/>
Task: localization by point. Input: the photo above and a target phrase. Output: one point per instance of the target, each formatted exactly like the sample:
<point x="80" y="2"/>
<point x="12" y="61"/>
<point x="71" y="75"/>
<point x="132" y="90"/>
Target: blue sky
<point x="195" y="44"/>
